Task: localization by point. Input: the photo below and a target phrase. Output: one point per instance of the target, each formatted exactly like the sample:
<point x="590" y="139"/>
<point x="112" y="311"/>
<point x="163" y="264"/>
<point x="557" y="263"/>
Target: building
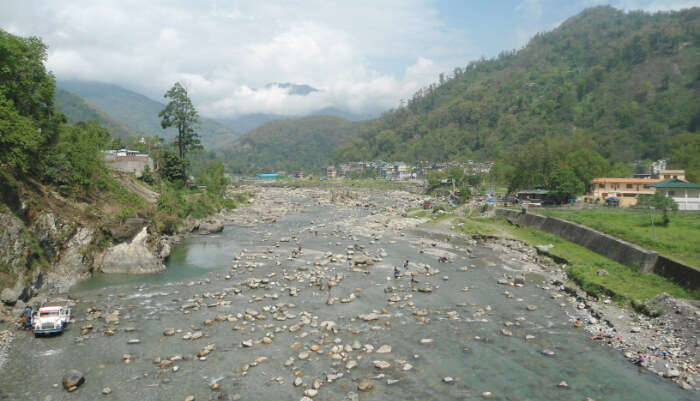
<point x="128" y="161"/>
<point x="627" y="189"/>
<point x="329" y="172"/>
<point x="403" y="171"/>
<point x="672" y="174"/>
<point x="685" y="194"/>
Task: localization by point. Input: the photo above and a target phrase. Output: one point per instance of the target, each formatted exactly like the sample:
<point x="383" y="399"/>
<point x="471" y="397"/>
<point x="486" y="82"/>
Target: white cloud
<point x="363" y="55"/>
<point x="224" y="51"/>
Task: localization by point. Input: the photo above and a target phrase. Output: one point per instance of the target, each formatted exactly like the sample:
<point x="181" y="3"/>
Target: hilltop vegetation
<point x="295" y="144"/>
<point x="622" y="85"/>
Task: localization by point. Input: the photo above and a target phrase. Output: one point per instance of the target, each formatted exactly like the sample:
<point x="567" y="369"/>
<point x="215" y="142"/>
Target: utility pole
<point x="651" y="215"/>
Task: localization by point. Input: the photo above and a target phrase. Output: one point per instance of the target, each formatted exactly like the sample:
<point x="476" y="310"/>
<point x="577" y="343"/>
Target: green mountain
<point x="289" y="145"/>
<point x="77" y="110"/>
<point x="626" y="82"/>
<point x="139" y="112"/>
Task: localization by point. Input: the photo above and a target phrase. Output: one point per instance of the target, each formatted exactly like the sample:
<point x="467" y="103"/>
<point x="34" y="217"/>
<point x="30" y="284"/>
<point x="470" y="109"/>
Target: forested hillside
<point x="77" y="110"/>
<point x="138" y="112"/>
<point x="294" y="144"/>
<point x="624" y="85"/>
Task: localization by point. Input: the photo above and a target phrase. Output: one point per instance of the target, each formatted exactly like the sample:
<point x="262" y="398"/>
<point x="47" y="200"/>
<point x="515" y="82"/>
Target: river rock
<point x="384" y="349"/>
<point x="382" y="364"/>
<point x="132" y="257"/>
<point x="368" y="317"/>
<point x="448" y="379"/>
<point x="106" y="391"/>
<point x="362" y="261"/>
<point x="365" y="385"/>
<point x="73" y="379"/>
<point x="210" y="227"/>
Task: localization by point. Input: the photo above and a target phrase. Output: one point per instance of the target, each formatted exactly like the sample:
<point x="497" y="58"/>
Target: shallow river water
<point x="472" y="350"/>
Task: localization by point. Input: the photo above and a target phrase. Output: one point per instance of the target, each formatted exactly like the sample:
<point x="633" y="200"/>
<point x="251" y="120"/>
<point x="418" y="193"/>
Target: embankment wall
<point x="644" y="260"/>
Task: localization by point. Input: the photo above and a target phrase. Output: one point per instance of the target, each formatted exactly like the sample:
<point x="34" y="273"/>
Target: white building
<point x="685" y="194"/>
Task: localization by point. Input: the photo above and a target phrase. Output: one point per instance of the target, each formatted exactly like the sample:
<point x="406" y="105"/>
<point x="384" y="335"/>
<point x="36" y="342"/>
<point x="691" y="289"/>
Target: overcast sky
<point x="363" y="55"/>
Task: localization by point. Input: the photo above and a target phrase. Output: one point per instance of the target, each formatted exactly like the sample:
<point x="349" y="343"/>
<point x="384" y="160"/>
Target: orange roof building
<point x="626" y="189"/>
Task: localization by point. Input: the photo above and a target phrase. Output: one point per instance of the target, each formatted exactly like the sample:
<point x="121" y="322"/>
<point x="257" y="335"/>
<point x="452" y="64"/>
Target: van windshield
<point x="48" y="313"/>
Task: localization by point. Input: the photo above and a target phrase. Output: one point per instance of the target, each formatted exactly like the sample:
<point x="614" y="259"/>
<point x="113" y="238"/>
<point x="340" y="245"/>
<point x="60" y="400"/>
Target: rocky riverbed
<point x="296" y="299"/>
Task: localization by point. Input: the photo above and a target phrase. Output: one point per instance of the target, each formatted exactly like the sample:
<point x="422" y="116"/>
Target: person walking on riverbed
<point x="397" y="272"/>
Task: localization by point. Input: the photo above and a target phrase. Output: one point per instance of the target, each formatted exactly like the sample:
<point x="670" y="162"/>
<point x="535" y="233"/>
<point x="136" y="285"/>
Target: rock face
<point x="73" y="266"/>
<point x="132" y="257"/>
<point x="14" y="245"/>
<point x="72" y="379"/>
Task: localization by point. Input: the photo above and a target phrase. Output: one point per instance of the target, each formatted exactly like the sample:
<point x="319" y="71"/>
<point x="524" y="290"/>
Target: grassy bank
<point x="679" y="240"/>
<point x="621" y="283"/>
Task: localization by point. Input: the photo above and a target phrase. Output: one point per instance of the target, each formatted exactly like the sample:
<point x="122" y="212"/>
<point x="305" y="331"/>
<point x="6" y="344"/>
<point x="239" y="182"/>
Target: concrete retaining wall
<point x="644" y="260"/>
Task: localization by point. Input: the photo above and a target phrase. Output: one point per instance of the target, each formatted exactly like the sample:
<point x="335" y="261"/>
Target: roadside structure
<point x="685" y="194"/>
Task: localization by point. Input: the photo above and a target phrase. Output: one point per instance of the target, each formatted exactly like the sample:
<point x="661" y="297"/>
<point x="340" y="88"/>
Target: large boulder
<point x="362" y="261"/>
<point x="127" y="229"/>
<point x="73" y="379"/>
<point x="210" y="227"/>
<point x="132" y="257"/>
<point x="9" y="296"/>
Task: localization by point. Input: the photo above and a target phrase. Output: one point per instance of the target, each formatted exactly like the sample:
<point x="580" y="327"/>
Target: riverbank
<point x="306" y="305"/>
<point x="665" y="335"/>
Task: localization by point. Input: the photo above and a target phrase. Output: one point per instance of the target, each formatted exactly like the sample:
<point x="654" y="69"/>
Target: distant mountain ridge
<point x="304" y="143"/>
<point x="248" y="122"/>
<point x="77" y="109"/>
<point x="138" y="112"/>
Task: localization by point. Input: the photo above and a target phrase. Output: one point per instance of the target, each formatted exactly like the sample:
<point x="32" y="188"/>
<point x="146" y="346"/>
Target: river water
<point x="465" y="327"/>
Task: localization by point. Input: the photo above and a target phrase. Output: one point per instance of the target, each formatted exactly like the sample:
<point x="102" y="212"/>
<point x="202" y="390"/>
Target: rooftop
<point x="674" y="183"/>
<point x="625" y="180"/>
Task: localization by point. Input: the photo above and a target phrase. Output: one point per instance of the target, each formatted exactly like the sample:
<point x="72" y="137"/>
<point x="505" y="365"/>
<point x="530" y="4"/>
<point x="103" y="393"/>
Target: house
<point x="128" y="161"/>
<point x="627" y="189"/>
<point x="672" y="174"/>
<point x="329" y="172"/>
<point x="538" y="195"/>
<point x="403" y="171"/>
<point x="685" y="194"/>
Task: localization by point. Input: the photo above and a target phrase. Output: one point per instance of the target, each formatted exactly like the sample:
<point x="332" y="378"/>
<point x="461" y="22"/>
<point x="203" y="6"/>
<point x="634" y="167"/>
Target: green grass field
<point x="680" y="240"/>
<point x="622" y="283"/>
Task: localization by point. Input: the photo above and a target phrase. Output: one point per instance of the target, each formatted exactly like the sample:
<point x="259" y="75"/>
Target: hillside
<point x="622" y="83"/>
<point x="248" y="122"/>
<point x="77" y="110"/>
<point x="138" y="112"/>
<point x="294" y="144"/>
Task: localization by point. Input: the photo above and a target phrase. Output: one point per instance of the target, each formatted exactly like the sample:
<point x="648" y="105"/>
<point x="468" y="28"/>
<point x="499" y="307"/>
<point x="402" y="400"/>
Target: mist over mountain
<point x="292" y="89"/>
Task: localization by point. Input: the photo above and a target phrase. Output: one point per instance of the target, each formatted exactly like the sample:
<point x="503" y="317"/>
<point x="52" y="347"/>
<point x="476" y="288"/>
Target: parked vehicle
<point x="52" y="317"/>
<point x="427" y="205"/>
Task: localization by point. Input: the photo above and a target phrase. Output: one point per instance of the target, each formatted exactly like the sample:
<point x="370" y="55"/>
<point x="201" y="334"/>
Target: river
<point x="465" y="327"/>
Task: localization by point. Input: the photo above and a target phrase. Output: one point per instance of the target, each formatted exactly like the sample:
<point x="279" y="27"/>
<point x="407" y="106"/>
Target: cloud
<point x="223" y="52"/>
<point x="363" y="55"/>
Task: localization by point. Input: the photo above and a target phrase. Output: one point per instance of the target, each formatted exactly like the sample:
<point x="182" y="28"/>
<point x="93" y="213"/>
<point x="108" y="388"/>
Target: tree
<point x="173" y="167"/>
<point x="587" y="164"/>
<point x="213" y="177"/>
<point x="563" y="184"/>
<point x="181" y="114"/>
